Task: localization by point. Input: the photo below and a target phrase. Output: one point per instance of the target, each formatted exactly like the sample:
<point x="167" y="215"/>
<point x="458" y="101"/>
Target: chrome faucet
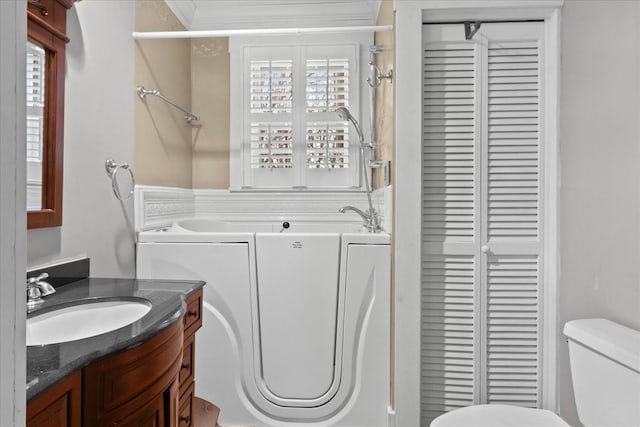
<point x="370" y="218"/>
<point x="36" y="289"/>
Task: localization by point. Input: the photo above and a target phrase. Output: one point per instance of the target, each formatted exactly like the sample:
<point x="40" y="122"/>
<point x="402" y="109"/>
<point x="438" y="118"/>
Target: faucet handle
<point x="42" y="276"/>
<point x="33" y="293"/>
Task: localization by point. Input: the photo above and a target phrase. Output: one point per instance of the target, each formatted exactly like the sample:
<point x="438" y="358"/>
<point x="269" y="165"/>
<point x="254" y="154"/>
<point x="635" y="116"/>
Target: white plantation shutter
<point x="327" y="85"/>
<point x="271" y="145"/>
<point x="271" y="86"/>
<point x="271" y="102"/>
<point x="35" y="74"/>
<point x="327" y="88"/>
<point x="35" y="101"/>
<point x="292" y="137"/>
<point x="481" y="234"/>
<point x="35" y="127"/>
<point x="327" y="145"/>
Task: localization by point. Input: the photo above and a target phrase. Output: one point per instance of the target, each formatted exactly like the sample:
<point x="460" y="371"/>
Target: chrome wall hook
<point x="378" y="76"/>
<point x="470" y="29"/>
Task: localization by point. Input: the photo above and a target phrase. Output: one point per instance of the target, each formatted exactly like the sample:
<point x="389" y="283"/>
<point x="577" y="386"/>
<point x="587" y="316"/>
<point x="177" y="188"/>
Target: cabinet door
<point x="59" y="406"/>
<point x="116" y="387"/>
<point x="159" y="412"/>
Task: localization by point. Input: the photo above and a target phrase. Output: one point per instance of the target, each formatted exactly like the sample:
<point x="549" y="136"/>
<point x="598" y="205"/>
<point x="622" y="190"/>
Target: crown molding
<point x="232" y="14"/>
<point x="185" y="11"/>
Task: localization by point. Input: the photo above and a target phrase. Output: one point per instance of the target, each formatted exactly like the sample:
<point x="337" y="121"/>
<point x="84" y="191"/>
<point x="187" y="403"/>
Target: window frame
<point x="299" y="178"/>
<point x="51" y="36"/>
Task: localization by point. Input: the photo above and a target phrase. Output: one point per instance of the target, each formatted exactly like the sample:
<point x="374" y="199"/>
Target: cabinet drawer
<point x="185" y="411"/>
<point x="193" y="315"/>
<point x="187" y="368"/>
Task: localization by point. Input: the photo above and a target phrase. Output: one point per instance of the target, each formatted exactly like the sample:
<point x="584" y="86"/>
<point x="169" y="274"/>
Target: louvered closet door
<point x="481" y="234"/>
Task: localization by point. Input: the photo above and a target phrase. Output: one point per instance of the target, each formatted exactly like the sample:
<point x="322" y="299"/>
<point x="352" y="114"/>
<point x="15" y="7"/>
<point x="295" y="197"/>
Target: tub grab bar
<point x="188" y="116"/>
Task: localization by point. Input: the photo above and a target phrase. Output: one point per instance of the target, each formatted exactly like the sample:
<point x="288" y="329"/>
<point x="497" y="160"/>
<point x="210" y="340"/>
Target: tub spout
<point x="370" y="218"/>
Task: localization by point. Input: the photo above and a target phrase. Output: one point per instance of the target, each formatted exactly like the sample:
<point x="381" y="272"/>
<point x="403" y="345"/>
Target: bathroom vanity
<point x="141" y="374"/>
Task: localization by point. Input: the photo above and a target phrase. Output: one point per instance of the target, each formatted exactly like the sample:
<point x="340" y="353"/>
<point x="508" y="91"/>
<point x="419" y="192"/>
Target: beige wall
<point x="162" y="138"/>
<point x="210" y="99"/>
<point x="385" y="93"/>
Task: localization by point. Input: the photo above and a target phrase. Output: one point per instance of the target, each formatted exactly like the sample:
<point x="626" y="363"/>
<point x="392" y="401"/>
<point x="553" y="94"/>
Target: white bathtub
<point x="296" y="325"/>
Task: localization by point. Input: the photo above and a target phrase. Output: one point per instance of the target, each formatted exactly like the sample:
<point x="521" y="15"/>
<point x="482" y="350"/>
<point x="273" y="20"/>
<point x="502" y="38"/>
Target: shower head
<point x="345" y="114"/>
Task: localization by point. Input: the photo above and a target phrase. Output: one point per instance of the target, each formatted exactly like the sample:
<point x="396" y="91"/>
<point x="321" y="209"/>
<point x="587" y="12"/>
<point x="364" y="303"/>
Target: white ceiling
<point x="244" y="14"/>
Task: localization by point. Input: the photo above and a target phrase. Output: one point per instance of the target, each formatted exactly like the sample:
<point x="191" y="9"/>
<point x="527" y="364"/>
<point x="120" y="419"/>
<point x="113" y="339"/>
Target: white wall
<point x="12" y="215"/>
<point x="600" y="170"/>
<point x="99" y="97"/>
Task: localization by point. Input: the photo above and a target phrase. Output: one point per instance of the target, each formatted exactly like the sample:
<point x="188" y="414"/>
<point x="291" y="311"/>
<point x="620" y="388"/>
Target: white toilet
<point x="605" y="368"/>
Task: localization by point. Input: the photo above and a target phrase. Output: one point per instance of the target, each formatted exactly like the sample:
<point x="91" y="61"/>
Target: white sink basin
<point x="84" y="320"/>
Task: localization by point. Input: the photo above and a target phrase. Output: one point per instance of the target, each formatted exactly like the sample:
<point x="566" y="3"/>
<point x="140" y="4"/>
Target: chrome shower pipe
<point x="374" y="80"/>
<point x="345" y="114"/>
<point x="373" y="50"/>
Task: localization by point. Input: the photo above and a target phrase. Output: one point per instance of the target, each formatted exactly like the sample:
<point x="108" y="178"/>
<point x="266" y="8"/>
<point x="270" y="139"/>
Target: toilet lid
<point x="498" y="416"/>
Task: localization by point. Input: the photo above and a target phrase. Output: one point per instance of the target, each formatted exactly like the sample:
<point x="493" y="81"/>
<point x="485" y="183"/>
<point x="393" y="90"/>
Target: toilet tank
<point x="605" y="369"/>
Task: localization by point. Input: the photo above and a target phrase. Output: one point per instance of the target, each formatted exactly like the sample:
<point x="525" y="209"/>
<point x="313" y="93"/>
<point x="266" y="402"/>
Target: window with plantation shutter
<point x="481" y="235"/>
<point x="35" y="101"/>
<point x="292" y="137"/>
<point x="35" y="88"/>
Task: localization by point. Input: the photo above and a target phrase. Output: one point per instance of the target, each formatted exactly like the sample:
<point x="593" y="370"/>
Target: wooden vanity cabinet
<point x="192" y="321"/>
<point x="148" y="385"/>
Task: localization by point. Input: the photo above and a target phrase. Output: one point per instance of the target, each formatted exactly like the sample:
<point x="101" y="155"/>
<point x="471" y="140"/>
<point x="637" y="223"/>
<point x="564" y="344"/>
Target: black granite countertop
<point x="48" y="364"/>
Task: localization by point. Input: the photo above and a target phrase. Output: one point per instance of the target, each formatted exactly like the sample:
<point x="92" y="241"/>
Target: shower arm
<point x="188" y="116"/>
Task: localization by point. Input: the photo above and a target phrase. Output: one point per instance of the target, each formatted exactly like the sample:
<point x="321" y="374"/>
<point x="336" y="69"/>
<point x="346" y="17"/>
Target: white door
<point x="481" y="216"/>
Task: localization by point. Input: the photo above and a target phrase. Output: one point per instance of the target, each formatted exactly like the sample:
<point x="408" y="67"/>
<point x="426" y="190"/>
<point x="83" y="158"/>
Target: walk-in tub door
<point x="297" y="313"/>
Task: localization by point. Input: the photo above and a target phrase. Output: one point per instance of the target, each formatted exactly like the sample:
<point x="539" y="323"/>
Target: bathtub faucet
<point x="370" y="218"/>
